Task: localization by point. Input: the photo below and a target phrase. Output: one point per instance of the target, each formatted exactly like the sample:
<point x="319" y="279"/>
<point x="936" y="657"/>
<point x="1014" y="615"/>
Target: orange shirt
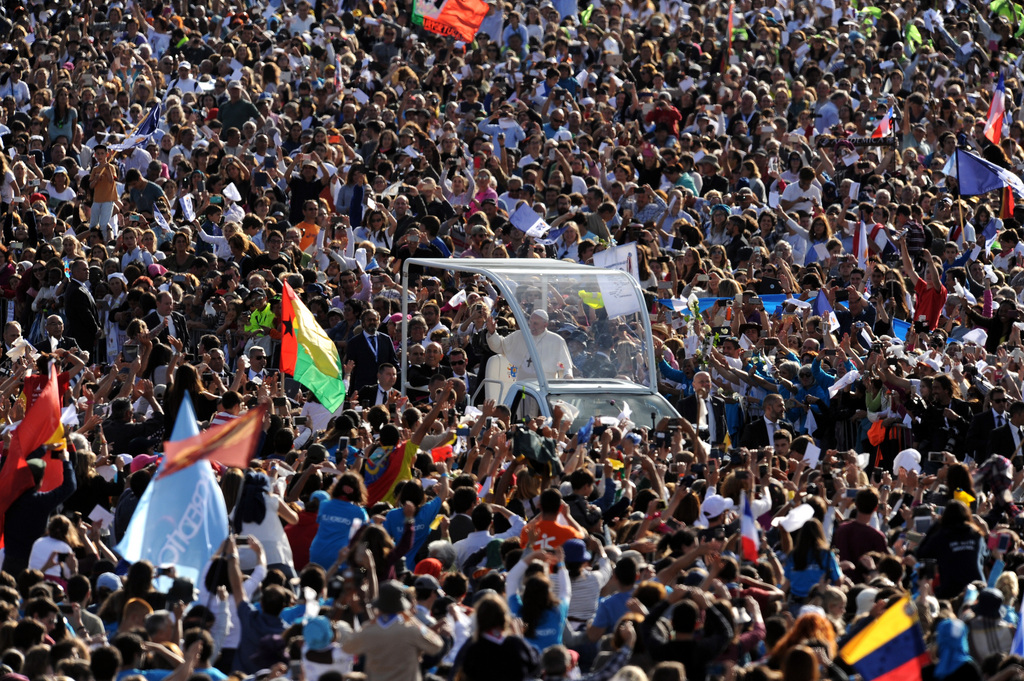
<point x="551" y="534"/>
<point x="310" y="230"/>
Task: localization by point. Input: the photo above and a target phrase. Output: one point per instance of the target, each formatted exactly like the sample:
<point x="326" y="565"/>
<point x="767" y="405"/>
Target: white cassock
<point x="551" y="347"/>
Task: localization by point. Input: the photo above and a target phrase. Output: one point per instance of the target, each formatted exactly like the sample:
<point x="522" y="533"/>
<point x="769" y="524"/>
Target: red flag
<point x="1006" y="207"/>
<point x="34" y="430"/>
<point x="439" y="454"/>
<point x="459" y="19"/>
<point x="232" y="444"/>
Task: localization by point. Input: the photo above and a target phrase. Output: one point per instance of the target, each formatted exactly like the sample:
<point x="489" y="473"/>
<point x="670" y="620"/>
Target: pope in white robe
<point x="554" y="353"/>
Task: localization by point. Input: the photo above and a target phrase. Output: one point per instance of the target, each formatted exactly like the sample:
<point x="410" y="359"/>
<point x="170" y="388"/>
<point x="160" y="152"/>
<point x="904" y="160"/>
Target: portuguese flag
<point x="307" y="354"/>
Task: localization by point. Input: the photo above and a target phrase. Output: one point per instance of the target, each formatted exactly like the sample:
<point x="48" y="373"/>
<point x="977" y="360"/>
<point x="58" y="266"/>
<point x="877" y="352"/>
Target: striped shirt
<point x="586" y="592"/>
<point x="222" y="417"/>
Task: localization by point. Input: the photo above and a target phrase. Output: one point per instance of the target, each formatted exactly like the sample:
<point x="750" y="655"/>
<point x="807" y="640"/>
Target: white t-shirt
<point x="803" y="198"/>
<point x="42" y="548"/>
<point x="7" y="191"/>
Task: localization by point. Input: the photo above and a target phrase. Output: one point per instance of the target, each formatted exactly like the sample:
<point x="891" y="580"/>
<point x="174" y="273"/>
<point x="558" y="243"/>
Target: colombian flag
<point x="891" y="648"/>
<point x="307" y="354"/>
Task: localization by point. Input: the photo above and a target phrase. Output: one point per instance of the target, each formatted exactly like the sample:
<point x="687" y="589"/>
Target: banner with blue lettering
<point x="181" y="518"/>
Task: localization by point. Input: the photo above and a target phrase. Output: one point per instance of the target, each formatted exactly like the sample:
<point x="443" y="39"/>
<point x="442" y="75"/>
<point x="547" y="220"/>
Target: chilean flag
<point x="994" y="126"/>
<point x="884" y="126"/>
<point x="748" y="530"/>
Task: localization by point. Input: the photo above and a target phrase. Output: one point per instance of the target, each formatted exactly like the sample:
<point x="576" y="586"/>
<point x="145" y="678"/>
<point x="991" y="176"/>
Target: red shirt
<point x="300" y="536"/>
<point x="929" y="302"/>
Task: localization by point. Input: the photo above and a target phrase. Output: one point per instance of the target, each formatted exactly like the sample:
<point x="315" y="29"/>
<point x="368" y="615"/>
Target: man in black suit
<point x="1006" y="440"/>
<point x="944" y="423"/>
<point x="83" y="319"/>
<point x="761" y="432"/>
<point x="984" y="424"/>
<point x="380" y="392"/>
<point x="459" y="361"/>
<point x="369" y="350"/>
<point x="55" y="337"/>
<point x="705" y="411"/>
<point x="174" y="322"/>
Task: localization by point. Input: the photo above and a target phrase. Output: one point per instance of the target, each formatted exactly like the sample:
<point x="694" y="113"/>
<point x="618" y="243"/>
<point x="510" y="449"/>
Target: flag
<point x="526" y="220"/>
<point x="231" y="444"/>
<point x="181" y="519"/>
<point x="860" y="245"/>
<point x="1017" y="647"/>
<point x="439" y="454"/>
<point x="890" y="648"/>
<point x="308" y="355"/>
<point x="53" y="476"/>
<point x="977" y="176"/>
<point x="956" y="232"/>
<point x="585" y="432"/>
<point x="963" y="496"/>
<point x="996" y="111"/>
<point x="824" y="309"/>
<point x="884" y="126"/>
<point x="748" y="529"/>
<point x="381" y="476"/>
<point x="585" y="16"/>
<point x="41" y="420"/>
<point x="459" y="19"/>
<point x="1006" y="206"/>
<point x="878" y="236"/>
<point x="146" y="127"/>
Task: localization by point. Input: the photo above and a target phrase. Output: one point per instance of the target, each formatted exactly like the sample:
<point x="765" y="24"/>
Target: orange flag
<point x="231" y="444"/>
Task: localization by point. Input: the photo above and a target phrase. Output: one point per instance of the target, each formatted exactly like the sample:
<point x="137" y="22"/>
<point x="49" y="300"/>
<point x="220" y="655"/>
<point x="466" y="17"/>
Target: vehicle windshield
<point x="582" y="322"/>
<point x="644" y="410"/>
<point x="594" y="328"/>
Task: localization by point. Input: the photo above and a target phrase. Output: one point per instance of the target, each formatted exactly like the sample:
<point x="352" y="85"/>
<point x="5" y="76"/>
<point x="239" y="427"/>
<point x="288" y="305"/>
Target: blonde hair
<point x="1009" y="585"/>
<point x="630" y="673"/>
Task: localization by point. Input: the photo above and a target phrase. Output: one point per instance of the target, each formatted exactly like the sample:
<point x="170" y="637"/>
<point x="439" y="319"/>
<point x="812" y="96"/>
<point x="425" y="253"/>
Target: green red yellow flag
<point x="307" y="354"/>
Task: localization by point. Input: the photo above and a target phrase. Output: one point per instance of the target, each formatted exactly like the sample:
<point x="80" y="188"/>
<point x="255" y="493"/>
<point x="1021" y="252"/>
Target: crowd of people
<point x="167" y="167"/>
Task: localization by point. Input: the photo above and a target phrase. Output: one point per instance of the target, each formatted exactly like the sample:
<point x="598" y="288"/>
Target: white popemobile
<point x="534" y="368"/>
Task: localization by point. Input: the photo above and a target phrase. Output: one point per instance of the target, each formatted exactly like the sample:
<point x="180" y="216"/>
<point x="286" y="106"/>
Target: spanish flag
<point x="891" y="648"/>
<point x="307" y="354"/>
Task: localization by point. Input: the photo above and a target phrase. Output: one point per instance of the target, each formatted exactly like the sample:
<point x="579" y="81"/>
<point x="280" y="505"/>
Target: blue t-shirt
<point x="148" y="674"/>
<point x="549" y="630"/>
<point x="214" y="673"/>
<point x="802" y="581"/>
<point x="394" y="523"/>
<point x="336" y="518"/>
<point x="610" y="609"/>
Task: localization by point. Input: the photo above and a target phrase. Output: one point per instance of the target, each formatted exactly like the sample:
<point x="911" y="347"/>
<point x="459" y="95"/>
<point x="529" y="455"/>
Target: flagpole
<point x="959" y="195"/>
